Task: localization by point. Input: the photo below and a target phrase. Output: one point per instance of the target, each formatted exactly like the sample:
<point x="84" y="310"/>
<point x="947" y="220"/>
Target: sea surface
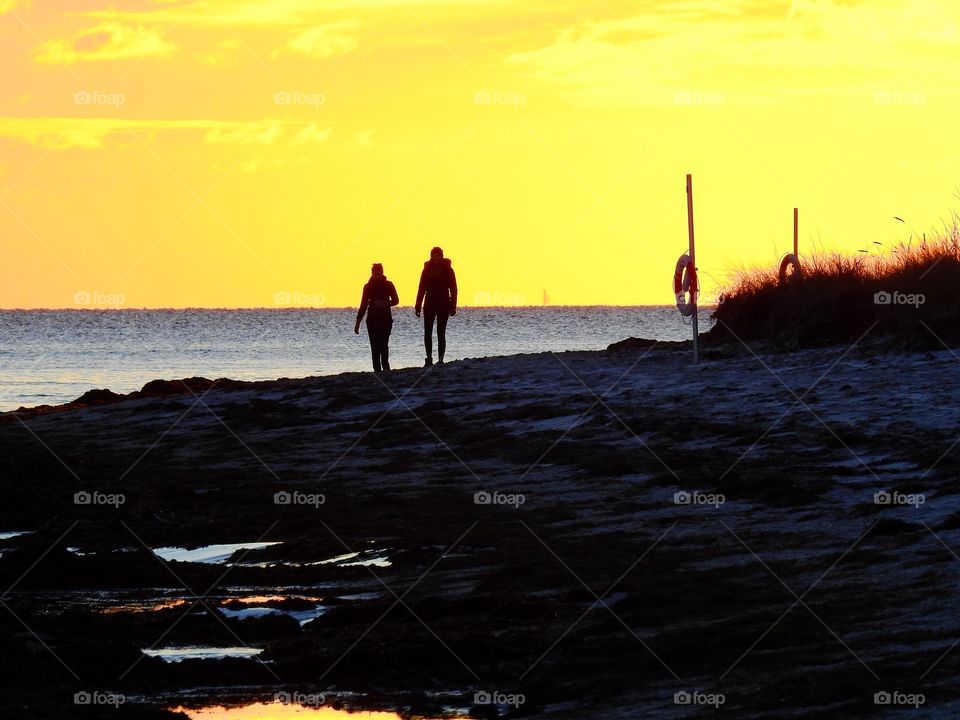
<point x="54" y="356"/>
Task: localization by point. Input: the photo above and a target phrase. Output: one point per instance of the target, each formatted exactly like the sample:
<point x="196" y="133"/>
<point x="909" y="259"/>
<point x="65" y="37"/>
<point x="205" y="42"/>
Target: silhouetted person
<point x="379" y="295"/>
<point x="438" y="284"/>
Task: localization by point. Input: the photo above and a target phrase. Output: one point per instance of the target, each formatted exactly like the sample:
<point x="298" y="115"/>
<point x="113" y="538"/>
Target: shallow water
<point x="200" y="652"/>
<point x="54" y="356"/>
<point x="210" y="554"/>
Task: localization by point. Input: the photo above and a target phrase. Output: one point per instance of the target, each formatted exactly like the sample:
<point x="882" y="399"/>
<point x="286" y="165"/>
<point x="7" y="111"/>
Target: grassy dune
<point x="908" y="294"/>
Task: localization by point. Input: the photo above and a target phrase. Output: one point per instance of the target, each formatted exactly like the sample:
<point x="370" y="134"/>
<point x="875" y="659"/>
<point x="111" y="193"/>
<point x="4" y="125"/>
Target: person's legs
<point x="428" y="317"/>
<point x="442" y="318"/>
<point x="385" y="348"/>
<point x="374" y="336"/>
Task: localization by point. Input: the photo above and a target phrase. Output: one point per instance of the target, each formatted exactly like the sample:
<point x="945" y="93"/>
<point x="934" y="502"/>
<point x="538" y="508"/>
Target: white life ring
<point x="793" y="261"/>
<point x="685" y="281"/>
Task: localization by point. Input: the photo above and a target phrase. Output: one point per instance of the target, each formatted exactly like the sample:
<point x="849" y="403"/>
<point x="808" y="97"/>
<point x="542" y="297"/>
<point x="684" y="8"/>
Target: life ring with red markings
<point x="685" y="281"/>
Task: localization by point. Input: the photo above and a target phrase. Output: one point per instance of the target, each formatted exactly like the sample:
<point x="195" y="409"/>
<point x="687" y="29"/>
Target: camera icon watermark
<point x="895" y="697"/>
<point x="699" y="98"/>
<point x="84" y="497"/>
<point x="297" y="98"/>
<point x="898" y="298"/>
<point x="496" y="697"/>
<point x="913" y="500"/>
<point x="892" y="97"/>
<point x="697" y="497"/>
<point x="298" y="299"/>
<point x="297" y="498"/>
<point x="301" y="699"/>
<point x="496" y="497"/>
<point x="95" y="298"/>
<point x="495" y="98"/>
<point x="99" y="99"/>
<point x="96" y="697"/>
<point x="695" y="697"/>
<point x="485" y="298"/>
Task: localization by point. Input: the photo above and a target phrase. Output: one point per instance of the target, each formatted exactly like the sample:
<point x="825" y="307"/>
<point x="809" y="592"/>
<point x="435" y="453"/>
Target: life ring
<point x="793" y="261"/>
<point x="685" y="281"/>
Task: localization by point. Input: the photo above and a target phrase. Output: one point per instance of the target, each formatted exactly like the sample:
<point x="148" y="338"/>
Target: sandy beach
<point x="602" y="534"/>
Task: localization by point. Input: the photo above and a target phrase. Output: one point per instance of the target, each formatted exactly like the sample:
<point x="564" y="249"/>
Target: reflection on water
<point x="178" y="654"/>
<point x="213" y="554"/>
<point x="279" y="710"/>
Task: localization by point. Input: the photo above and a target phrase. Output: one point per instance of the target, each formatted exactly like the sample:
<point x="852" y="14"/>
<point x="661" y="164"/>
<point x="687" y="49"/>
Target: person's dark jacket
<point x="438" y="283"/>
<point x="379" y="295"/>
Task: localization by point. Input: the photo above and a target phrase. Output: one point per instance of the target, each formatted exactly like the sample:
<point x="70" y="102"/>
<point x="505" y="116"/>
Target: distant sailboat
<point x="546" y="298"/>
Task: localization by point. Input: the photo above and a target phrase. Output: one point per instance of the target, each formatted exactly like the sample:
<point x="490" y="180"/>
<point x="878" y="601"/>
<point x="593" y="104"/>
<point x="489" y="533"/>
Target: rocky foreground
<point x="585" y="535"/>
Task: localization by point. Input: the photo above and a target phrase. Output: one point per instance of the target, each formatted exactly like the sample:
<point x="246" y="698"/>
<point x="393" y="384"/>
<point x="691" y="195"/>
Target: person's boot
<point x="386" y="366"/>
<point x="427" y="362"/>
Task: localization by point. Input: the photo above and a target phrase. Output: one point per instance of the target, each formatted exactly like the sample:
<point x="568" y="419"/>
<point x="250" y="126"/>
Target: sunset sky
<point x="261" y="153"/>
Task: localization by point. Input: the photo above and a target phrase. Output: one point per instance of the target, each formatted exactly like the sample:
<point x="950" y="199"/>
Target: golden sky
<point x="255" y="153"/>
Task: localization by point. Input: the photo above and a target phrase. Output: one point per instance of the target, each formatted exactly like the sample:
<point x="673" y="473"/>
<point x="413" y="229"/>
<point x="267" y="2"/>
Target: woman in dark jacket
<point x="437" y="299"/>
<point x="379" y="295"/>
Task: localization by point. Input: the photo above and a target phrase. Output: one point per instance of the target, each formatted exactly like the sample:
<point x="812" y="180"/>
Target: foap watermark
<point x="96" y="298"/>
<point x="99" y="99"/>
<point x="497" y="697"/>
<point x="498" y="498"/>
<point x="495" y="97"/>
<point x="699" y="98"/>
<point x="302" y="699"/>
<point x="913" y="500"/>
<point x="96" y="697"/>
<point x="84" y="497"/>
<point x="296" y="298"/>
<point x="298" y="498"/>
<point x="698" y="497"/>
<point x="695" y="697"/>
<point x="896" y="697"/>
<point x="898" y="298"/>
<point x="891" y="97"/>
<point x="297" y="98"/>
<point x="488" y="299"/>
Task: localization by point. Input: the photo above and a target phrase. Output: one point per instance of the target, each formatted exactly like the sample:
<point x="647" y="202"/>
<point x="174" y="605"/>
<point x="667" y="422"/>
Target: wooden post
<point x="693" y="263"/>
<point x="796" y="232"/>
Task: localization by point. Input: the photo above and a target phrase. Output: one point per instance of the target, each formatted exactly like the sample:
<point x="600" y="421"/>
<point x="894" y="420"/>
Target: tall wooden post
<point x="796" y="232"/>
<point x="693" y="264"/>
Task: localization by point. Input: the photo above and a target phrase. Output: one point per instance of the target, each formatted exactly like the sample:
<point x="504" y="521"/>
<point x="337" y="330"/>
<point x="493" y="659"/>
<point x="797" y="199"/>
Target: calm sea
<point x="53" y="356"/>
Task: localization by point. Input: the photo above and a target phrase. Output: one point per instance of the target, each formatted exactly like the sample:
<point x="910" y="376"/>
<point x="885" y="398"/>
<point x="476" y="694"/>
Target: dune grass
<point x="841" y="298"/>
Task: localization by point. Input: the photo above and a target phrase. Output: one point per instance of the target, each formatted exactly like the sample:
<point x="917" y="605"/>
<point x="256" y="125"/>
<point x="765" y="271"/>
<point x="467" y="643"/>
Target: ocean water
<point x="54" y="356"/>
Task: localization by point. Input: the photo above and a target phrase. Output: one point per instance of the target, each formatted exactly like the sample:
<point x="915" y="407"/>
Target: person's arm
<point x="420" y="291"/>
<point x="364" y="301"/>
<point x="394" y="298"/>
<point x="453" y="292"/>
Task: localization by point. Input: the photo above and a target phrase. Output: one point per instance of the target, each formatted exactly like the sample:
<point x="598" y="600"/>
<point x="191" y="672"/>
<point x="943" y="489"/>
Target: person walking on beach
<point x="437" y="299"/>
<point x="379" y="295"/>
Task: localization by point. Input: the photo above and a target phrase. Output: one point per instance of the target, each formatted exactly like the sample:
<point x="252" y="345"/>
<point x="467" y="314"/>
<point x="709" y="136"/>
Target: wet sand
<point x="594" y="532"/>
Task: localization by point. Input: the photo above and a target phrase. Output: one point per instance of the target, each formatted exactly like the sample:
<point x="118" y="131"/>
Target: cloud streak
<point x="61" y="133"/>
<point x="107" y="41"/>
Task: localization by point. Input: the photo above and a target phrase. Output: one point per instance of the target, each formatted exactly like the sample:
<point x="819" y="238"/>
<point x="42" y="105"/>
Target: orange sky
<point x="262" y="153"/>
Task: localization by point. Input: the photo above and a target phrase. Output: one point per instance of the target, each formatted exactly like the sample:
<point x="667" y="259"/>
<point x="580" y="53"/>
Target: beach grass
<point x="907" y="294"/>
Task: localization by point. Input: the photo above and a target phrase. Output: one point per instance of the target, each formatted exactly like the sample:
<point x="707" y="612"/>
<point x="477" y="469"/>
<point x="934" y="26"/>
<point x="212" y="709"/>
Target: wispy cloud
<point x="743" y="46"/>
<point x="62" y="133"/>
<point x="256" y="12"/>
<point x="107" y="41"/>
<point x="8" y="5"/>
<point x="325" y="41"/>
<point x="312" y="133"/>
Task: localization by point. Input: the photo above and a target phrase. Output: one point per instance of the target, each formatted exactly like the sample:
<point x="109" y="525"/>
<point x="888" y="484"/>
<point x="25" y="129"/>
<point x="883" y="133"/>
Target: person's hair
<point x="436" y="251"/>
<point x="376" y="269"/>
